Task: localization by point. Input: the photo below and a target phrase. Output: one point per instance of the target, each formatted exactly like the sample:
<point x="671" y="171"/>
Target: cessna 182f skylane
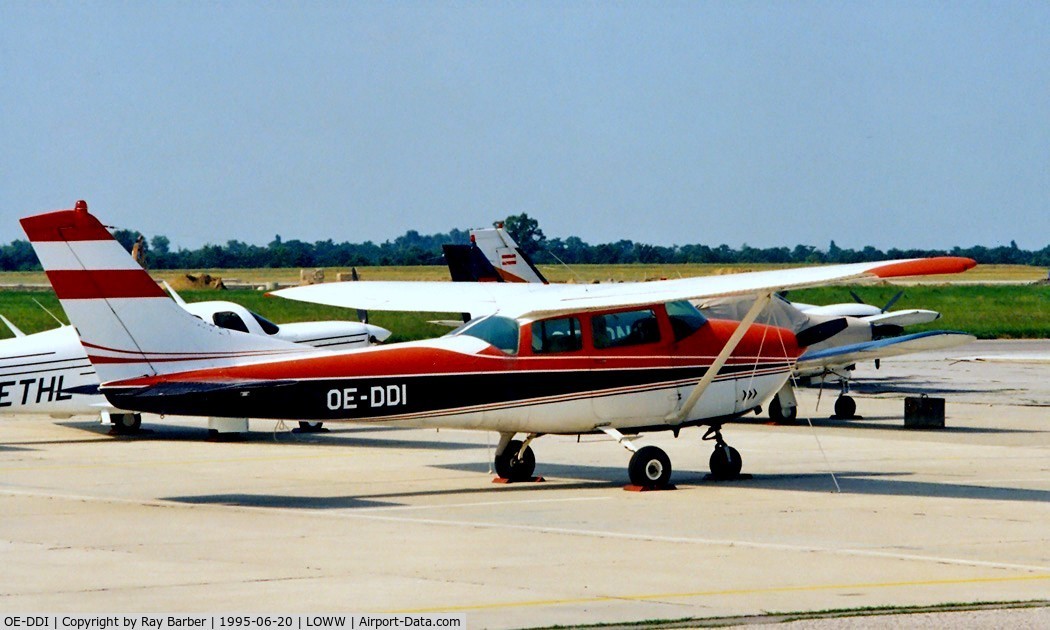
<point x="870" y="333"/>
<point x="537" y="359"/>
<point x="39" y="370"/>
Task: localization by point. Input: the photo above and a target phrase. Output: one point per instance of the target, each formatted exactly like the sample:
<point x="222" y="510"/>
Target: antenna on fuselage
<point x="571" y="270"/>
<point x="14" y="329"/>
<point x="60" y="322"/>
<point x="175" y="296"/>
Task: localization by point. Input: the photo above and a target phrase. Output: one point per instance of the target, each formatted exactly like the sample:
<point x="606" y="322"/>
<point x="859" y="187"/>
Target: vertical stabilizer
<point x="512" y="264"/>
<point x="128" y="325"/>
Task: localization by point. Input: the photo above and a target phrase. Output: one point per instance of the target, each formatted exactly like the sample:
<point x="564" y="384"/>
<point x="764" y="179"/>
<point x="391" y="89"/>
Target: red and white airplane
<point x="870" y="333"/>
<point x="537" y="359"/>
<point x="40" y="372"/>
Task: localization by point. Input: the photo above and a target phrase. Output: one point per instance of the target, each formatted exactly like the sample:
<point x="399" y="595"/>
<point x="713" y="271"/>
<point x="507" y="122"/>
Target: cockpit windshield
<point x="685" y="318"/>
<point x="501" y="332"/>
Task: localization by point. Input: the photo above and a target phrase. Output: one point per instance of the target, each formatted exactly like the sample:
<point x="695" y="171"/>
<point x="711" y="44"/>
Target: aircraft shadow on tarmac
<point x="574" y="477"/>
<point x="884" y="423"/>
<point x="274" y="501"/>
<point x="908" y="385"/>
<point x="892" y="485"/>
<point x="341" y="436"/>
<point x="4" y="447"/>
<point x="854" y="482"/>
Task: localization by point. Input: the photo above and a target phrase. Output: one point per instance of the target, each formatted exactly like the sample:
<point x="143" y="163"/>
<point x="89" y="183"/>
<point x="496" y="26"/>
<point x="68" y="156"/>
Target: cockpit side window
<point x="631" y="328"/>
<point x="268" y="327"/>
<point x="229" y="320"/>
<point x="501" y="332"/>
<point x="685" y="318"/>
<point x="556" y="335"/>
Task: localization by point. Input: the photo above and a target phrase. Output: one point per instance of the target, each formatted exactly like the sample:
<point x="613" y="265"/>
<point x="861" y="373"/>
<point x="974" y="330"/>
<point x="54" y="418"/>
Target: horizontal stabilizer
<point x="183" y="388"/>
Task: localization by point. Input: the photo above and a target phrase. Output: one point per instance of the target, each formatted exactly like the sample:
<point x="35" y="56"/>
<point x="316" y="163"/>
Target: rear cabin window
<point x="501" y="332"/>
<point x="618" y="330"/>
<point x="556" y="335"/>
<point x="685" y="318"/>
<point x="230" y="320"/>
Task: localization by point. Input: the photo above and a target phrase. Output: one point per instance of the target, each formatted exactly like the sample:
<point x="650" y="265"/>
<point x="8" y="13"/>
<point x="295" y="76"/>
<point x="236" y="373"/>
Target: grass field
<point x="986" y="310"/>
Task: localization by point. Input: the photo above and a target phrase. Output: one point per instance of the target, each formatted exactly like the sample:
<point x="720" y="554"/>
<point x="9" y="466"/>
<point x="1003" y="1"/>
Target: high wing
<point x="841" y="356"/>
<point x="537" y="300"/>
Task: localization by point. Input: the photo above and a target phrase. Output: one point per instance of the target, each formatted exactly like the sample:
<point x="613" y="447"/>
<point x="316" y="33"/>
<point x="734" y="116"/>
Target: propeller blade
<point x="893" y="300"/>
<point x="815" y="334"/>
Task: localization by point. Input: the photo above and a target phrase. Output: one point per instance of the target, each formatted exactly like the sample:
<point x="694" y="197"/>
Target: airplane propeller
<point x="893" y="300"/>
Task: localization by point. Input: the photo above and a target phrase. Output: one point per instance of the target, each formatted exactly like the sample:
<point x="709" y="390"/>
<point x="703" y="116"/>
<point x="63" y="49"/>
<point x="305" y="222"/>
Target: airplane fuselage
<point x="464" y="382"/>
<point x="36" y="372"/>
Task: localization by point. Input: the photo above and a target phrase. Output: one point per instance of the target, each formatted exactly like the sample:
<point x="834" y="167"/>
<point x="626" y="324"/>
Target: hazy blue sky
<point x="911" y="124"/>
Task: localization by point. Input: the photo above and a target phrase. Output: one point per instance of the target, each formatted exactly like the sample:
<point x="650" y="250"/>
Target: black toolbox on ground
<point x="923" y="412"/>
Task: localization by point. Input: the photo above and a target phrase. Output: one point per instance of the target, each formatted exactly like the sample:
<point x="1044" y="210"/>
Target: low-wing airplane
<point x="537" y="359"/>
<point x="869" y="333"/>
<point x="39" y="372"/>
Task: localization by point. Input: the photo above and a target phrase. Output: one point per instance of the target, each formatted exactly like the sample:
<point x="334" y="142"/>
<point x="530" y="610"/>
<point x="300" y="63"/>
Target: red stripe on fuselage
<point x="399" y="360"/>
<point x="65" y="225"/>
<point x="99" y="284"/>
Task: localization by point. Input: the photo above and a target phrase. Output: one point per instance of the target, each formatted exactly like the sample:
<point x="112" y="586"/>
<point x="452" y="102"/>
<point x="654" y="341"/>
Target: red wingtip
<point x="65" y="225"/>
<point x="926" y="267"/>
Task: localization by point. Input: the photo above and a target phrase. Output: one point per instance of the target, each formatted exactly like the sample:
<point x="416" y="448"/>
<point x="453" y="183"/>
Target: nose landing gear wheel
<point x="511" y="467"/>
<point x="311" y="427"/>
<point x="650" y="467"/>
<point x="725" y="462"/>
<point x="845" y="407"/>
<point x="777" y="413"/>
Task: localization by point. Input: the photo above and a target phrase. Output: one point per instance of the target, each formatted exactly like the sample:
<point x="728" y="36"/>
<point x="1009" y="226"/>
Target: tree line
<point x="413" y="248"/>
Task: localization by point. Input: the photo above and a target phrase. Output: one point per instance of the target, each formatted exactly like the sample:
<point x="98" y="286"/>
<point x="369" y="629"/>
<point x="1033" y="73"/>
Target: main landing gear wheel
<point x="650" y="467"/>
<point x="845" y="407"/>
<point x="310" y="427"/>
<point x="725" y="462"/>
<point x="126" y="423"/>
<point x="511" y="467"/>
<point x="778" y="414"/>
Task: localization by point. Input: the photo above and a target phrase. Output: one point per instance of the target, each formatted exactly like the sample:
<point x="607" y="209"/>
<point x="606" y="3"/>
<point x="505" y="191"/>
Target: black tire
<point x="512" y="468"/>
<point x="650" y="467"/>
<point x="845" y="407"/>
<point x="310" y="427"/>
<point x="776" y="412"/>
<point x="126" y="423"/>
<point x="725" y="462"/>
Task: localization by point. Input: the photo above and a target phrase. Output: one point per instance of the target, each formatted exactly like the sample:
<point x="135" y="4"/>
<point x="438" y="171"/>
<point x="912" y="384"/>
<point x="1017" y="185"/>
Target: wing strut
<point x="679" y="416"/>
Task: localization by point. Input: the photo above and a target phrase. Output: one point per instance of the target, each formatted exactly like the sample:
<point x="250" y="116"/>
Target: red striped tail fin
<point x="129" y="326"/>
